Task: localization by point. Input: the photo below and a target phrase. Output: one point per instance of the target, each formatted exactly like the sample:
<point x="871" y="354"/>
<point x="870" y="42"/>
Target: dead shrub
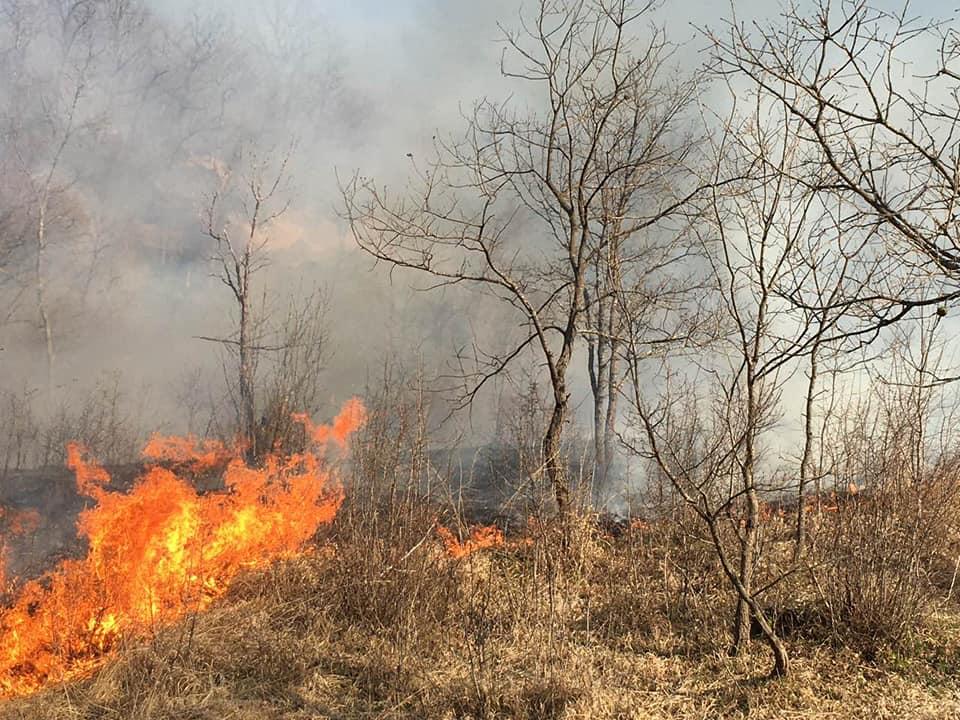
<point x="876" y="580"/>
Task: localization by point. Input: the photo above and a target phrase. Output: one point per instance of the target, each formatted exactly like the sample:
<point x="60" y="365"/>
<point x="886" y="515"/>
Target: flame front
<point x="481" y="537"/>
<point x="162" y="550"/>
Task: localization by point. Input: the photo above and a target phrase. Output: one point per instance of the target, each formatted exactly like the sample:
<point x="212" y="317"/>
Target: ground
<point x="395" y="628"/>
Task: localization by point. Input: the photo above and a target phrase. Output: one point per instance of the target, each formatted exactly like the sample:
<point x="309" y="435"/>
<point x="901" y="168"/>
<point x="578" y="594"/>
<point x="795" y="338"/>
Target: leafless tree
<point x="240" y="244"/>
<point x="39" y="137"/>
<point x="529" y="203"/>
<point x="646" y="159"/>
<point x="292" y="369"/>
<point x="53" y="108"/>
<point x="875" y="93"/>
<point x="767" y="239"/>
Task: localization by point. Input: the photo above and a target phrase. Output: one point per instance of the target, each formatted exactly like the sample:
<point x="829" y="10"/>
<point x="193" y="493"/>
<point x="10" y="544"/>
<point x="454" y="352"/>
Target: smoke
<point x="121" y="117"/>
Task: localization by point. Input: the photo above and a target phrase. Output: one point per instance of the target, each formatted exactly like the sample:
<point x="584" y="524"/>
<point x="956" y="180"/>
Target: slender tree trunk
<point x="807" y="457"/>
<point x="741" y="622"/>
<point x="781" y="659"/>
<point x="247" y="420"/>
<point x="602" y="366"/>
<point x="748" y="538"/>
<point x="553" y="460"/>
<point x="46" y="326"/>
<point x="552" y="451"/>
<point x="610" y="421"/>
<point x="246" y="384"/>
<point x="596" y="367"/>
<point x="611" y="325"/>
<point x="597" y="390"/>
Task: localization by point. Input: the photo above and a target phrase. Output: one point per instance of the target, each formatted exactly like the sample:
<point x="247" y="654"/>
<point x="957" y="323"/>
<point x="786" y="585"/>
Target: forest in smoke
<point x="120" y="121"/>
<point x="564" y="358"/>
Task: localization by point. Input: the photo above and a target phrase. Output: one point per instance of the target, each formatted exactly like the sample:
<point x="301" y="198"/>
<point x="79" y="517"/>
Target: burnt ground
<point x="51" y="493"/>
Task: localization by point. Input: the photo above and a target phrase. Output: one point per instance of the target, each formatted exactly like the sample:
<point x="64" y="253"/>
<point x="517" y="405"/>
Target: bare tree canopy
<point x="532" y="203"/>
<point x="874" y="93"/>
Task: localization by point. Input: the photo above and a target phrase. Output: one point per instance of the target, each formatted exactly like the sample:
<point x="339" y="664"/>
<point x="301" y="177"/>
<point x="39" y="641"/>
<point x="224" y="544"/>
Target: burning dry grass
<point x="161" y="551"/>
<point x="480" y="538"/>
<point x="387" y="615"/>
<point x="390" y="625"/>
<point x="13" y="523"/>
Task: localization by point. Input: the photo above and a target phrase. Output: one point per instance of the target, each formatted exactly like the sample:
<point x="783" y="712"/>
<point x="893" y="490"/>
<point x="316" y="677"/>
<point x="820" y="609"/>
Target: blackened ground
<point x="51" y="492"/>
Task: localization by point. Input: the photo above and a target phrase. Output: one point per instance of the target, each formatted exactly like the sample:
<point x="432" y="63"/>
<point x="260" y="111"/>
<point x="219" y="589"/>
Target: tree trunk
<point x="602" y="367"/>
<point x="247" y="414"/>
<point x="807" y="457"/>
<point x="46" y="326"/>
<point x="553" y="460"/>
<point x="781" y="659"/>
<point x="741" y="621"/>
<point x="748" y="539"/>
<point x="594" y="366"/>
<point x="610" y="421"/>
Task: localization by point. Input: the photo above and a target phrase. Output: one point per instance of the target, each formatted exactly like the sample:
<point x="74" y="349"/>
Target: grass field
<point x="381" y="622"/>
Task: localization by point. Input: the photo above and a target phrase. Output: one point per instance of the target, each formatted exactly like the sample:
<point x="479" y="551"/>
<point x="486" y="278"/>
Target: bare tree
<point x="239" y="253"/>
<point x="766" y="239"/>
<point x="881" y="107"/>
<point x="291" y="381"/>
<point x="61" y="60"/>
<point x="645" y="267"/>
<point x="525" y="206"/>
<point x="39" y="137"/>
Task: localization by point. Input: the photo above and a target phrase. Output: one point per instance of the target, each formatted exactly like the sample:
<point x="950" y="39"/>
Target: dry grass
<point x="386" y="626"/>
<point x="380" y="623"/>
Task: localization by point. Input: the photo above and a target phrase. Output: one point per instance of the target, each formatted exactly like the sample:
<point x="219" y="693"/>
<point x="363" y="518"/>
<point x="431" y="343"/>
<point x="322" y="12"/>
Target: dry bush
<point x="19" y="430"/>
<point x="877" y="574"/>
<point x="291" y="372"/>
<point x="659" y="588"/>
<point x="668" y="579"/>
<point x="103" y="419"/>
<point x="892" y="522"/>
<point x="391" y="579"/>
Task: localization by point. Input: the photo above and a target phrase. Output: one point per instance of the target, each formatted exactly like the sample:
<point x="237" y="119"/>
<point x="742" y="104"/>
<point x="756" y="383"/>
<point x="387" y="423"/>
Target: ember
<point x="484" y="536"/>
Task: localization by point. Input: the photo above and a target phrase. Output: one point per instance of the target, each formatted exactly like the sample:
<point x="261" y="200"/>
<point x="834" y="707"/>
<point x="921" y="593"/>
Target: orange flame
<point x="352" y="416"/>
<point x="196" y="455"/>
<point x="160" y="551"/>
<point x="483" y="536"/>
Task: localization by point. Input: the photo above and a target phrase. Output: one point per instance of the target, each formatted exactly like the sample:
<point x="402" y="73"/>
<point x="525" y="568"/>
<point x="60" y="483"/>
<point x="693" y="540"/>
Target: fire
<point x="162" y="550"/>
<point x="483" y="536"/>
<point x="196" y="455"/>
<point x="351" y="417"/>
